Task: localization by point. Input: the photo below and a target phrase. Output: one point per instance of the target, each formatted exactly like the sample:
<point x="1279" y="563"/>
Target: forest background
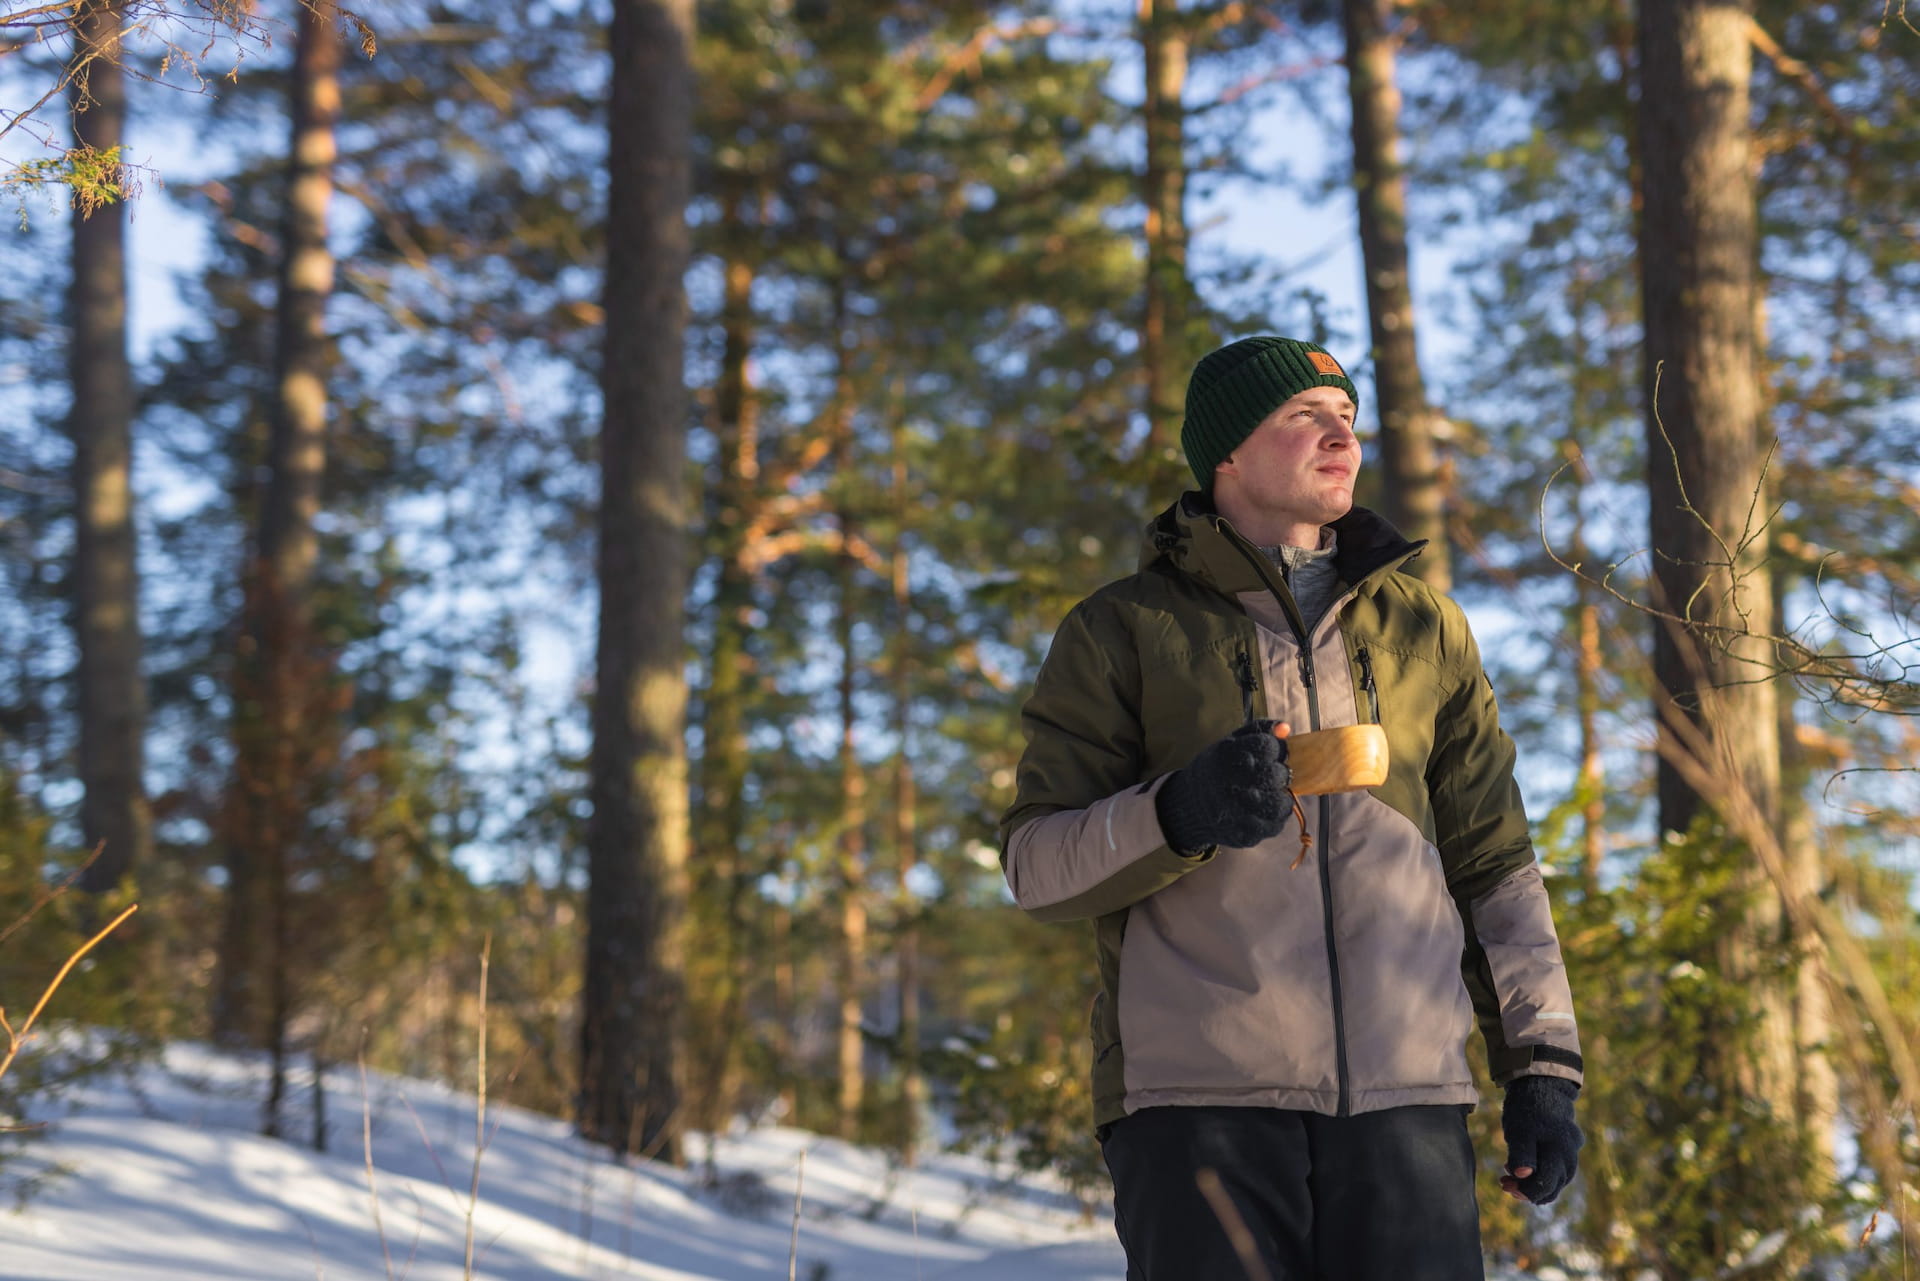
<point x="826" y="354"/>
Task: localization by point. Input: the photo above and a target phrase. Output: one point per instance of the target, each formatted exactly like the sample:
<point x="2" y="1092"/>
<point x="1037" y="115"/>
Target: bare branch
<point x="1848" y="678"/>
<point x="165" y="27"/>
<point x="1799" y="72"/>
<point x="17" y="1037"/>
<point x="47" y="896"/>
<point x="967" y="57"/>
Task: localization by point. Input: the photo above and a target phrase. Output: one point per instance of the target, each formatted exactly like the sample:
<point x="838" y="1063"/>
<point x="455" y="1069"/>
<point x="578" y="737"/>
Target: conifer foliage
<point x="606" y="481"/>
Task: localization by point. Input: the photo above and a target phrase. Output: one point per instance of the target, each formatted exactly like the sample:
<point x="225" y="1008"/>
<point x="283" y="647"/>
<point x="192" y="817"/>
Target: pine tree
<point x="633" y="1003"/>
<point x="1170" y="302"/>
<point x="112" y="696"/>
<point x="1556" y="333"/>
<point x="1411" y="486"/>
<point x="285" y="706"/>
<point x="1709" y="499"/>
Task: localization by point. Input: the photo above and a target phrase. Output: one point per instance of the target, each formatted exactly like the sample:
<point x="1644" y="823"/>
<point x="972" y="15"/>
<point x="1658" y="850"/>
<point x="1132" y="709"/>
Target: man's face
<point x="1300" y="462"/>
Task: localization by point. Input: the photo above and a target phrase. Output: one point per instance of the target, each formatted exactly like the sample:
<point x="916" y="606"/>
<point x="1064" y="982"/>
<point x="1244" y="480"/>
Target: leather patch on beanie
<point x="1326" y="364"/>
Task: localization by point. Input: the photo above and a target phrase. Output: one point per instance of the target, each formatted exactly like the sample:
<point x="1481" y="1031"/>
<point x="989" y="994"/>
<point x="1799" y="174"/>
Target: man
<point x="1288" y="1008"/>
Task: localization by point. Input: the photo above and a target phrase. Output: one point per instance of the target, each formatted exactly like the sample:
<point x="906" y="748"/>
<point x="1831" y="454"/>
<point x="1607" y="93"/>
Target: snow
<point x="159" y="1176"/>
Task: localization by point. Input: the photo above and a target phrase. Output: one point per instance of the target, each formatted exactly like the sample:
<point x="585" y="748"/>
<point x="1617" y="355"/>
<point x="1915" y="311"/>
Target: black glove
<point x="1541" y="1136"/>
<point x="1233" y="793"/>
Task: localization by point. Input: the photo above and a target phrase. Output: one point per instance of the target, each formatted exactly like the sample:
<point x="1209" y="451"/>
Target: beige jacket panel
<point x="1515" y="927"/>
<point x="1199" y="1008"/>
<point x="1074" y="864"/>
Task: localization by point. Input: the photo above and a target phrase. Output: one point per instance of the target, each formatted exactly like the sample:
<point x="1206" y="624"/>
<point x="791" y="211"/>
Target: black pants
<point x="1383" y="1196"/>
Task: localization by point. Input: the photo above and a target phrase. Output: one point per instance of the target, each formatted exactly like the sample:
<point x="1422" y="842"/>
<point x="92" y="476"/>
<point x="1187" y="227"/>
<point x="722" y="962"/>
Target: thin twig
<point x="793" y="1246"/>
<point x="1732" y="559"/>
<point x="1208" y="1180"/>
<point x="313" y="1243"/>
<point x="446" y="1180"/>
<point x="366" y="1148"/>
<point x="48" y="895"/>
<point x="967" y="56"/>
<point x="15" y="1040"/>
<point x="1849" y="686"/>
<point x="480" y="1106"/>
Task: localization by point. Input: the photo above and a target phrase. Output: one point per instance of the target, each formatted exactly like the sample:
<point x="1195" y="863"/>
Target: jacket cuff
<point x="1543" y="1060"/>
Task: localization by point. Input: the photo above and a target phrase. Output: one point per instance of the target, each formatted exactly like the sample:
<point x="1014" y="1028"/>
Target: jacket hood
<point x="1197" y="540"/>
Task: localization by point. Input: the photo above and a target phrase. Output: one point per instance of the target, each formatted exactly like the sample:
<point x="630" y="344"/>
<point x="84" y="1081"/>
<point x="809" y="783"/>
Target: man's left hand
<point x="1543" y="1141"/>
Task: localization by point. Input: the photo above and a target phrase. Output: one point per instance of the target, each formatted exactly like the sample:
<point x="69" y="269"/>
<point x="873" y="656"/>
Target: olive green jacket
<point x="1344" y="984"/>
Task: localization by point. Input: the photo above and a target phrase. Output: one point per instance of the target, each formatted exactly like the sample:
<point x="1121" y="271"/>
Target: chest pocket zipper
<point x="1244" y="667"/>
<point x="1366" y="681"/>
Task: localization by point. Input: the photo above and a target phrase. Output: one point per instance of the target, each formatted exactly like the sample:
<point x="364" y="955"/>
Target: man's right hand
<point x="1233" y="793"/>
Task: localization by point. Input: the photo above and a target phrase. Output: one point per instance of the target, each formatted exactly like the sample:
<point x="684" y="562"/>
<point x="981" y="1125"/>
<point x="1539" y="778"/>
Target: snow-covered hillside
<point x="161" y="1178"/>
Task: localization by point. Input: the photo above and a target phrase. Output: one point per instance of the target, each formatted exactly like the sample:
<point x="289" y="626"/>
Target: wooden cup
<point x="1337" y="760"/>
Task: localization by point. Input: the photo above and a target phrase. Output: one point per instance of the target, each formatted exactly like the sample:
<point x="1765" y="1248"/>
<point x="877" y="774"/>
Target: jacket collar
<point x="1202" y="543"/>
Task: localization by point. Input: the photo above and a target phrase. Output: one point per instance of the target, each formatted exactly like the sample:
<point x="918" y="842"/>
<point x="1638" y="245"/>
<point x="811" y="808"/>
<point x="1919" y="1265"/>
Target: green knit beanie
<point x="1233" y="390"/>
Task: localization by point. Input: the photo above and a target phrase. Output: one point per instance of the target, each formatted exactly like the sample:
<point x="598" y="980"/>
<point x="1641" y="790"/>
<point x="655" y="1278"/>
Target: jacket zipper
<point x="1247" y="685"/>
<point x="1366" y="681"/>
<point x="1294" y="621"/>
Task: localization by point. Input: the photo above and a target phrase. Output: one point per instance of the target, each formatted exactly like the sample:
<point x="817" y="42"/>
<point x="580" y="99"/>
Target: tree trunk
<point x="1588" y="665"/>
<point x="1698" y="254"/>
<point x="114" y="815"/>
<point x="1707" y="494"/>
<point x="1813" y="1025"/>
<point x="727" y="873"/>
<point x="851" y="1069"/>
<point x="785" y="1003"/>
<point x="278" y="676"/>
<point x="851" y="1066"/>
<point x="1413" y="495"/>
<point x="633" y="999"/>
<point x="1589" y="662"/>
<point x="913" y="1091"/>
<point x="1165" y="357"/>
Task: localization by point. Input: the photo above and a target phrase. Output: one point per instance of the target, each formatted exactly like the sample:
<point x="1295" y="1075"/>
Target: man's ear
<point x="1226" y="467"/>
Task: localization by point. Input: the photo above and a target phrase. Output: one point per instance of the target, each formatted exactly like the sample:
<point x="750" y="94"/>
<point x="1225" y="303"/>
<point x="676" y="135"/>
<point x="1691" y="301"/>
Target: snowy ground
<point x="161" y="1178"/>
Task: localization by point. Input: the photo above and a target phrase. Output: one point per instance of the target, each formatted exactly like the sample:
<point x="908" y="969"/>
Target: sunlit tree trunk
<point x="633" y="1036"/>
<point x="1600" y="1187"/>
<point x="907" y="941"/>
<point x="1588" y="660"/>
<point x="1588" y="663"/>
<point x="1164" y="326"/>
<point x="724" y="866"/>
<point x="279" y="742"/>
<point x="785" y="1005"/>
<point x="1813" y="1024"/>
<point x="851" y="857"/>
<point x="1413" y="493"/>
<point x="851" y="1063"/>
<point x="114" y="815"/>
<point x="1707" y="494"/>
